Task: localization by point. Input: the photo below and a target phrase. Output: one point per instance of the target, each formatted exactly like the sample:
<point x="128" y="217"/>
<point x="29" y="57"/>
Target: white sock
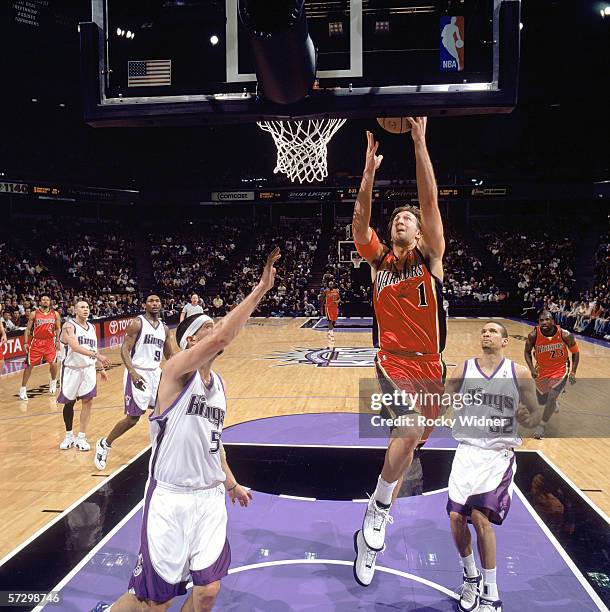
<point x="490" y="588"/>
<point x="69" y="434"/>
<point x="82" y="435"/>
<point x="53" y="381"/>
<point x="384" y="490"/>
<point x="469" y="565"/>
<point x="21" y="389"/>
<point x="105" y="443"/>
<point x="543" y="423"/>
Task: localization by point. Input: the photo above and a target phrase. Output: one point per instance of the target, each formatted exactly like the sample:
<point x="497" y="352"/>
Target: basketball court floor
<point x="295" y="436"/>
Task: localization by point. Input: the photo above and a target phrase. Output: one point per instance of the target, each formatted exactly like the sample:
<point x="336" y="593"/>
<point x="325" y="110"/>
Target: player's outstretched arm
<point x="361" y="220"/>
<point x="226" y="329"/>
<point x="531" y="416"/>
<point x="427" y="192"/>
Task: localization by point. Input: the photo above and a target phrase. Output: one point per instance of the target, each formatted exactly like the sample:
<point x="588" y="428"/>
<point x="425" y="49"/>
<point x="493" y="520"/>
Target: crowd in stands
<point x="465" y="279"/>
<point x="90" y="262"/>
<point x="223" y="261"/>
<point x="590" y="313"/>
<point x="187" y="259"/>
<point x="290" y="297"/>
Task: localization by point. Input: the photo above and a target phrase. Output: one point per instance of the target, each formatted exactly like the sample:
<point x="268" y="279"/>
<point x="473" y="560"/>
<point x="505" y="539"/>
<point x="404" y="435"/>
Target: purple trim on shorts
<point x="90" y="395"/>
<point x="62" y="399"/>
<point x="145" y="581"/>
<point x="173" y="404"/>
<point x="219" y="569"/>
<point x="476" y="363"/>
<point x="496" y="501"/>
<point x="131" y="407"/>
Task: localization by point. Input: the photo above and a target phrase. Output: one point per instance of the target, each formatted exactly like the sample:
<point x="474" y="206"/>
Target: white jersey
<point x="186" y="437"/>
<point x="147" y="351"/>
<point x="86" y="336"/>
<point x="490" y="422"/>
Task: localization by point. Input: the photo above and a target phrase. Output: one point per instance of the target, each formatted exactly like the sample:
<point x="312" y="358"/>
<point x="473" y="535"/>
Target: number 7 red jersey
<point x="408" y="301"/>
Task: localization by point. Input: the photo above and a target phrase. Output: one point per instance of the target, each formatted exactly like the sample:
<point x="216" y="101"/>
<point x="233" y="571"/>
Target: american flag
<point x="149" y="73"/>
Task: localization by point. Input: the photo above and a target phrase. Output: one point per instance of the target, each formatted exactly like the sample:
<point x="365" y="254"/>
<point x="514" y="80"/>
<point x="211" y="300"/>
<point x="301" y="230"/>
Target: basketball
<point x="394" y="125"/>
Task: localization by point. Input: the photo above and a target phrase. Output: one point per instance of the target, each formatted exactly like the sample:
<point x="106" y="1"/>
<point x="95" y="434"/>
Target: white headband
<point x="193" y="328"/>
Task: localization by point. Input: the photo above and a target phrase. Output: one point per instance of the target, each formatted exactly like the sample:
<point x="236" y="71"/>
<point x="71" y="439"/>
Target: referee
<point x="191" y="308"/>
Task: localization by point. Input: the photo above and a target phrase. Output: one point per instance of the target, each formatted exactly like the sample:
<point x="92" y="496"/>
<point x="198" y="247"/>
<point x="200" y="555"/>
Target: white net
<point x="301" y="146"/>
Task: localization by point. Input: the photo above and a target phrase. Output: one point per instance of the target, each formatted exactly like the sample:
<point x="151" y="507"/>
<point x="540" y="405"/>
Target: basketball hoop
<point x="301" y="146"/>
<point x="356" y="259"/>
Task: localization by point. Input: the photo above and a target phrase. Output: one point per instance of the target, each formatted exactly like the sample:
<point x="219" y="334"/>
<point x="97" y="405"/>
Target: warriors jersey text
<point x="408" y="305"/>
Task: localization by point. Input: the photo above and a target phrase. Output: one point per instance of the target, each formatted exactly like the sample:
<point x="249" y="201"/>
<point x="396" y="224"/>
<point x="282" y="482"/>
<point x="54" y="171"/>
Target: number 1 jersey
<point x="408" y="303"/>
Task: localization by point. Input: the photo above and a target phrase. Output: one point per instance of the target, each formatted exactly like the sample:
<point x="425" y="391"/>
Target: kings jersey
<point x="408" y="302"/>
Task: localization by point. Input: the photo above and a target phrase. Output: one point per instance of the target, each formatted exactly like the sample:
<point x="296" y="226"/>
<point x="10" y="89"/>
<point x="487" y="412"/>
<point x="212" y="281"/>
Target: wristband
<point x="233" y="487"/>
<point x="369" y="251"/>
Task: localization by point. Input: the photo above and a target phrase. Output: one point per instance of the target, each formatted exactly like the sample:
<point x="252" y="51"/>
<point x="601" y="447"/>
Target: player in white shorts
<point x="147" y="340"/>
<point x="500" y="392"/>
<point x="185" y="519"/>
<point x="78" y="375"/>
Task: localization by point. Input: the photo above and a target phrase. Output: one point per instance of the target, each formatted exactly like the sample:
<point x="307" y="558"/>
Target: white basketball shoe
<point x="471" y="591"/>
<point x="364" y="563"/>
<point x="101" y="454"/>
<point x="67" y="442"/>
<point x="23" y="394"/>
<point x="489" y="605"/>
<point x="373" y="526"/>
<point x="81" y="444"/>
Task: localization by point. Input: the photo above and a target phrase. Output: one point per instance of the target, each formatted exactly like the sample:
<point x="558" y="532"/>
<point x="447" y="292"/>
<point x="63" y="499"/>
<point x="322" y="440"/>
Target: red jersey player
<point x="408" y="305"/>
<point x="330" y="307"/>
<point x="551" y="345"/>
<point x="45" y="325"/>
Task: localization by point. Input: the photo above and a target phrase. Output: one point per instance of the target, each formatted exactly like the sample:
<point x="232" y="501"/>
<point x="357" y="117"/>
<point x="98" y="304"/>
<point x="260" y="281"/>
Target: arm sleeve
<point x="370" y="250"/>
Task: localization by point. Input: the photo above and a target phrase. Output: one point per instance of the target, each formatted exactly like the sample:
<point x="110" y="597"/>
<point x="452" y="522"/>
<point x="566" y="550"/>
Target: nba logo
<point x="452" y="44"/>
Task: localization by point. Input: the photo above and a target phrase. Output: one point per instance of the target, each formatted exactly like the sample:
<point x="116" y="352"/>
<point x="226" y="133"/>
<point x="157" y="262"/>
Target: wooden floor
<point x="36" y="477"/>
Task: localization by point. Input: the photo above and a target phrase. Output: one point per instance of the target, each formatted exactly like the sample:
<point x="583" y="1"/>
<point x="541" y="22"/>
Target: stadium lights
<point x="119" y="32"/>
<point x="335" y="28"/>
<point x="382" y="22"/>
<point x="214" y="40"/>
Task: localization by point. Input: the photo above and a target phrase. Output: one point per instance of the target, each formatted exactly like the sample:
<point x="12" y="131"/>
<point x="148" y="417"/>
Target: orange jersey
<point x="44" y="325"/>
<point x="332" y="297"/>
<point x="551" y="354"/>
<point x="408" y="305"/>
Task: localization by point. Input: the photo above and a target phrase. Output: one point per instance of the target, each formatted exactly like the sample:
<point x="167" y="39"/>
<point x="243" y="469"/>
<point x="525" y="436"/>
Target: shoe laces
<point x="371" y="555"/>
<point x="380" y="515"/>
